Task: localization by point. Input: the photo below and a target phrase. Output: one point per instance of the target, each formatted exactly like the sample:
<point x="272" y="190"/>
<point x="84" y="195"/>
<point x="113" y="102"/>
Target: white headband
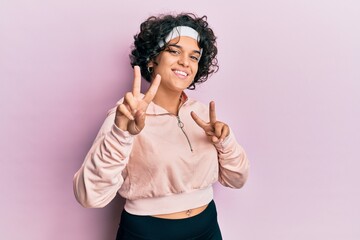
<point x="183" y="31"/>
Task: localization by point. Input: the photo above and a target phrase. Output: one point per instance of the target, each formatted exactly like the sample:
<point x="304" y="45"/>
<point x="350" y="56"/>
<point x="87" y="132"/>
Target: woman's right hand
<point x="130" y="115"/>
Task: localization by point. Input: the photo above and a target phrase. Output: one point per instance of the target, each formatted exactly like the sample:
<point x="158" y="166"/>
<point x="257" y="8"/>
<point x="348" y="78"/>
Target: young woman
<point x="161" y="150"/>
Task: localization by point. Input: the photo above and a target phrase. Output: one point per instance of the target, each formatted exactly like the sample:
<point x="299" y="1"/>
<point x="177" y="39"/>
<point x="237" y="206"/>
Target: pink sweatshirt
<point x="164" y="169"/>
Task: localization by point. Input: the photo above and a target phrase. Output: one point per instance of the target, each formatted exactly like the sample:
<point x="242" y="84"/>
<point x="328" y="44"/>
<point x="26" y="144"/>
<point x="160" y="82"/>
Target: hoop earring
<point x="150" y="69"/>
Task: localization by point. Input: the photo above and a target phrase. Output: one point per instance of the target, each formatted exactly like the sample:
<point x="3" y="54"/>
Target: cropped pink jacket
<point x="169" y="167"/>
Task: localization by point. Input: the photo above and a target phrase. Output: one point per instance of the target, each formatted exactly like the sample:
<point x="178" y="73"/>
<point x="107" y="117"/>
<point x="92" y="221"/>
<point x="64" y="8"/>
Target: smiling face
<point x="177" y="64"/>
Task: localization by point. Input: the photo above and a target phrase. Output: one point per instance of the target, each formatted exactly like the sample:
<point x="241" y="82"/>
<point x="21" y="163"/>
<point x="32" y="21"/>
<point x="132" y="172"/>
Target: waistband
<point x="170" y="204"/>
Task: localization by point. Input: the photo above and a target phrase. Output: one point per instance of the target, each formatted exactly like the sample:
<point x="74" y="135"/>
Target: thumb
<point x="140" y="119"/>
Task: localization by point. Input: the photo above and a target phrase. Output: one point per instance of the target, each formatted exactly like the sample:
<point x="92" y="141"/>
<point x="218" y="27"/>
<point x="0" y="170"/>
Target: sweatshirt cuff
<point x="122" y="136"/>
<point x="227" y="142"/>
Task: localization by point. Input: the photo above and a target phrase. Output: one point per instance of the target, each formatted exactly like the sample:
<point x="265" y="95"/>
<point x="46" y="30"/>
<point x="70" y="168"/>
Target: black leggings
<point x="200" y="227"/>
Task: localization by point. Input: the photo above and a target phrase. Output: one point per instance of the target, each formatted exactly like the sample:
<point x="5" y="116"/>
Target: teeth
<point x="181" y="73"/>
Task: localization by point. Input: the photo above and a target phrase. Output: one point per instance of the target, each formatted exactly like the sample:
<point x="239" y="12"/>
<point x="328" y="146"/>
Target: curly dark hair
<point x="156" y="28"/>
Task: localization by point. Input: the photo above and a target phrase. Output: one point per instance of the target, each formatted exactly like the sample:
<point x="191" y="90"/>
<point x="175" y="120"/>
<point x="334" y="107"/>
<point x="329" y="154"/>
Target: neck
<point x="168" y="100"/>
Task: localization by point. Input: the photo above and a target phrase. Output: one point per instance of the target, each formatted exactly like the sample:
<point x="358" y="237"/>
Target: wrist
<point x="121" y="122"/>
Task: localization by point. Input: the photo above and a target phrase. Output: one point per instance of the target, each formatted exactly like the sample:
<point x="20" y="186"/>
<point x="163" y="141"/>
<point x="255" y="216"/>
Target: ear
<point x="150" y="64"/>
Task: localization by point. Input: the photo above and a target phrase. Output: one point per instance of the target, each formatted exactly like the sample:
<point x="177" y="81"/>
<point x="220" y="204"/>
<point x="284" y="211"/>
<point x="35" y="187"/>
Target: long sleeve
<point x="101" y="175"/>
<point x="233" y="163"/>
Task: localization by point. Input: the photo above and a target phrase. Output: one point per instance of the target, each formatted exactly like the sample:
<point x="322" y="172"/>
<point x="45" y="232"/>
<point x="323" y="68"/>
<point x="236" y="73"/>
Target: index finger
<point x="201" y="123"/>
<point x="212" y="113"/>
<point x="137" y="81"/>
<point x="151" y="92"/>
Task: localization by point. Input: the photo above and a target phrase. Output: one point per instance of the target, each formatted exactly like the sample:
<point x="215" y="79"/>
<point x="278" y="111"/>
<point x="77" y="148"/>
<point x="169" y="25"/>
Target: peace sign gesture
<point x="130" y="115"/>
<point x="215" y="130"/>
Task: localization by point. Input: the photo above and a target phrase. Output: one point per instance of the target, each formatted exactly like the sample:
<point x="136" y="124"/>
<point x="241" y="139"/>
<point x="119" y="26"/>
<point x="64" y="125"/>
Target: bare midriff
<point x="183" y="214"/>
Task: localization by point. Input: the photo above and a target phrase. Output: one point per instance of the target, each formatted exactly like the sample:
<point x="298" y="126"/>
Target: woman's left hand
<point x="215" y="130"/>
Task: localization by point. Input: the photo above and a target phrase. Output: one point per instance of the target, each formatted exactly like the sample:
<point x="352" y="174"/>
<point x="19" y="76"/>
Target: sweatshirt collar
<point x="154" y="109"/>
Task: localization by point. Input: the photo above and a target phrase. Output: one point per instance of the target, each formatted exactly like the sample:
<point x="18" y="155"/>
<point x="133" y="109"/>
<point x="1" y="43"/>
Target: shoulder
<point x="198" y="107"/>
<point x="193" y="103"/>
<point x="112" y="110"/>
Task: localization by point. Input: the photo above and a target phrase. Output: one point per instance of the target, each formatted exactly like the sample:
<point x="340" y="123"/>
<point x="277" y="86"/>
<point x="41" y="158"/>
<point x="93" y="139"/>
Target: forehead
<point x="186" y="43"/>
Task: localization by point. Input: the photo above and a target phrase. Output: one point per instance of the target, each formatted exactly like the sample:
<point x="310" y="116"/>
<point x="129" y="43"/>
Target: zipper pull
<point x="180" y="123"/>
<point x="181" y="126"/>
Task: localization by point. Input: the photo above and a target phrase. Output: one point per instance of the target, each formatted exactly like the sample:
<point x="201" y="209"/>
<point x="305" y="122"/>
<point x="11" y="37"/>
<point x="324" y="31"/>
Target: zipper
<point x="181" y="126"/>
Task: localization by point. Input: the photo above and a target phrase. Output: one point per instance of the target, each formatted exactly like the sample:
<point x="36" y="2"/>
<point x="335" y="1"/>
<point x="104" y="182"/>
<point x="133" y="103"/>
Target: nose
<point x="183" y="60"/>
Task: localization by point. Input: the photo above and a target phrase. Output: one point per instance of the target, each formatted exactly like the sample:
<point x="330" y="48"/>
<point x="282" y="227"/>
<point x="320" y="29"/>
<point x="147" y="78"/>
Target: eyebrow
<point x="180" y="47"/>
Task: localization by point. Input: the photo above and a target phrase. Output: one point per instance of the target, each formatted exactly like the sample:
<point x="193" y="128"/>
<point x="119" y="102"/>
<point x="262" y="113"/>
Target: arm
<point x="233" y="163"/>
<point x="100" y="176"/>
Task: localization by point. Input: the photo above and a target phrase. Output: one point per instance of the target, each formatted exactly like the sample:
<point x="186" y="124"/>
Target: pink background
<point x="288" y="85"/>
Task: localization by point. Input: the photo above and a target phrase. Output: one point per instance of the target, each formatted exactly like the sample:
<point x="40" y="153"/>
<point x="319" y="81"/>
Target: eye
<point x="173" y="51"/>
<point x="194" y="58"/>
